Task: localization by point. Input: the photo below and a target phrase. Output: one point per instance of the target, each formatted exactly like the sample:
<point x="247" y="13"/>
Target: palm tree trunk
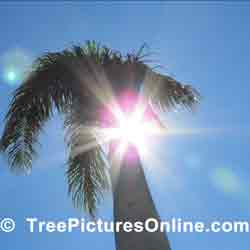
<point x="133" y="202"/>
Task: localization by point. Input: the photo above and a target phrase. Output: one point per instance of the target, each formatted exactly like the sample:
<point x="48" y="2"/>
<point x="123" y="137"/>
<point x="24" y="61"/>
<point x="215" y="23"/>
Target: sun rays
<point x="125" y="120"/>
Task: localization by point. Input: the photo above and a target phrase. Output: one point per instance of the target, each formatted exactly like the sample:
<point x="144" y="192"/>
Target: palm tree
<point x="79" y="82"/>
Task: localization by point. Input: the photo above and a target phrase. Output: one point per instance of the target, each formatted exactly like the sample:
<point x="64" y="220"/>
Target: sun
<point x="126" y="121"/>
<point x="133" y="129"/>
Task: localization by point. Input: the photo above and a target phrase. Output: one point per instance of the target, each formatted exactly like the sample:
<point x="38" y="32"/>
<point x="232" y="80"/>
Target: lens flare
<point x="11" y="76"/>
<point x="14" y="65"/>
<point x="226" y="180"/>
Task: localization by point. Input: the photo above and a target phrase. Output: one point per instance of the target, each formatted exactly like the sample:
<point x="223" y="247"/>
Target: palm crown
<point x="78" y="82"/>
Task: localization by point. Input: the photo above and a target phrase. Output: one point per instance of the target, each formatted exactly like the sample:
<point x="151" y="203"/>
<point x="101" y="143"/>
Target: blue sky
<point x="203" y="176"/>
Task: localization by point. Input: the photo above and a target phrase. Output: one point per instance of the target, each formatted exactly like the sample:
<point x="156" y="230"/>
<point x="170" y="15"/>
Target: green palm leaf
<point x="87" y="169"/>
<point x="166" y="93"/>
<point x="87" y="178"/>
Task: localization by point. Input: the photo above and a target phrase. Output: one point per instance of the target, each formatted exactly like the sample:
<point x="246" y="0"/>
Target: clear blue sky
<point x="204" y="176"/>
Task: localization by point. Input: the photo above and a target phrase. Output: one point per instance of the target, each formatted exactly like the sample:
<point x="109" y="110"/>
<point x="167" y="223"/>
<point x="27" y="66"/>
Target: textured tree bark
<point x="133" y="202"/>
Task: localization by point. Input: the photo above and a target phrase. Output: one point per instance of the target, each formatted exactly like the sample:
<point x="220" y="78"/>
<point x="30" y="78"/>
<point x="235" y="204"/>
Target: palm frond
<point x="29" y="109"/>
<point x="52" y="82"/>
<point x="87" y="169"/>
<point x="166" y="93"/>
<point x="87" y="178"/>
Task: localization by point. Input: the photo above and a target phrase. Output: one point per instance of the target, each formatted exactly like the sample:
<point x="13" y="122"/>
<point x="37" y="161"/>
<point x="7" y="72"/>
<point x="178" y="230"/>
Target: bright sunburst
<point x="132" y="128"/>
